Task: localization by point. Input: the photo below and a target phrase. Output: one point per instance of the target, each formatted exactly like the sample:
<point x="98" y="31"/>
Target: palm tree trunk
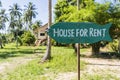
<point x="1" y="43"/>
<point x="16" y="39"/>
<point x="47" y="55"/>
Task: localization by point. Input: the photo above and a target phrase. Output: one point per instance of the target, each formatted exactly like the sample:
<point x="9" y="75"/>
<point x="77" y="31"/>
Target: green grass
<point x="10" y="51"/>
<point x="63" y="60"/>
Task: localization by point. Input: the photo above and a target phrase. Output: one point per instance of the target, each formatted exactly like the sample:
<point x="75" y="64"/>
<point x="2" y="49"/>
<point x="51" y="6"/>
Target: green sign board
<point x="79" y="32"/>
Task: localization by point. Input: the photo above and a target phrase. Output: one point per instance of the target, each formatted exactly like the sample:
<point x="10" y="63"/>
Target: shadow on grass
<point x="10" y="48"/>
<point x="104" y="55"/>
<point x="14" y="53"/>
<point x="7" y="55"/>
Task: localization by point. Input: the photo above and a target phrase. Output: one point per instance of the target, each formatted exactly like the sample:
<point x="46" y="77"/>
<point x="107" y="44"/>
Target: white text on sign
<point x="91" y="32"/>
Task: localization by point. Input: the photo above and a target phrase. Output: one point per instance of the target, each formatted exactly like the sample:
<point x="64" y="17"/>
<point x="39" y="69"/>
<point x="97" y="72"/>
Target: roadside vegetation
<point x="17" y="42"/>
<point x="63" y="60"/>
<point x="10" y="51"/>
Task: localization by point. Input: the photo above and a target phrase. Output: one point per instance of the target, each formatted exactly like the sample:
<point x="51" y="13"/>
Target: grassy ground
<point x="63" y="60"/>
<point x="10" y="51"/>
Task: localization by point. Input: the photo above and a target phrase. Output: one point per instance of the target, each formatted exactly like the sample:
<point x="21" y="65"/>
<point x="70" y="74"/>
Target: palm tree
<point x="0" y="4"/>
<point x="36" y="24"/>
<point x="48" y="51"/>
<point x="3" y="18"/>
<point x="15" y="12"/>
<point x="29" y="14"/>
<point x="15" y="20"/>
<point x="1" y="28"/>
<point x="15" y="15"/>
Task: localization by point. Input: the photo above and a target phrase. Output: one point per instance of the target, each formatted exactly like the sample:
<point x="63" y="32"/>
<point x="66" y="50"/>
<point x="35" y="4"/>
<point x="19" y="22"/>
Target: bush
<point x="27" y="38"/>
<point x="19" y="40"/>
<point x="114" y="45"/>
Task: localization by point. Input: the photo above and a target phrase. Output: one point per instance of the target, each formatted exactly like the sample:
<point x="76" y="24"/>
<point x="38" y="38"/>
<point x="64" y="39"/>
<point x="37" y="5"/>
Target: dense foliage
<point x="20" y="19"/>
<point x="27" y="38"/>
<point x="90" y="11"/>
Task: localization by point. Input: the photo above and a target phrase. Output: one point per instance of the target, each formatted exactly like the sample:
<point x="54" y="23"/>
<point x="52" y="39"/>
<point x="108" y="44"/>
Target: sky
<point x="41" y="5"/>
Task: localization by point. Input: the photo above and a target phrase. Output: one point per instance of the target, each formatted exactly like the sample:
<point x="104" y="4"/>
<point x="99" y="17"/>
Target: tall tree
<point x="60" y="9"/>
<point x="118" y="20"/>
<point x="3" y="18"/>
<point x="90" y="11"/>
<point x="47" y="55"/>
<point x="0" y="28"/>
<point x="29" y="14"/>
<point x="15" y="20"/>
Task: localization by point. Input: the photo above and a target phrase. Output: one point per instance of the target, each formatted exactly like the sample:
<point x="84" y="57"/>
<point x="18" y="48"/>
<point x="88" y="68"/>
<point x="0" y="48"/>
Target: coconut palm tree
<point x="37" y="24"/>
<point x="48" y="51"/>
<point x="29" y="14"/>
<point x="15" y="13"/>
<point x="15" y="20"/>
<point x="3" y="18"/>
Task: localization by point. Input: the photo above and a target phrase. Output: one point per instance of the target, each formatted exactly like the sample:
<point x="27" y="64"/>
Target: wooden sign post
<point x="79" y="32"/>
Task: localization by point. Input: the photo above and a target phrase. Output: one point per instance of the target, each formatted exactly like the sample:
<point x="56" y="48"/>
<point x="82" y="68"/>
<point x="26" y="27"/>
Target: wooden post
<point x="78" y="59"/>
<point x="78" y="46"/>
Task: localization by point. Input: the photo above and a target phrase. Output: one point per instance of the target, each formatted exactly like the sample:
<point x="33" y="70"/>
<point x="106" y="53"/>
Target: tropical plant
<point x="90" y="11"/>
<point x="29" y="14"/>
<point x="36" y="25"/>
<point x="47" y="55"/>
<point x="15" y="20"/>
<point x="27" y="38"/>
<point x="3" y="18"/>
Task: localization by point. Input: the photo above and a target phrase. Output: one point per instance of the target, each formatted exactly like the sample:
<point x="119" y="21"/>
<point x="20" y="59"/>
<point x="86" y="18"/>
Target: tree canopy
<point x="90" y="11"/>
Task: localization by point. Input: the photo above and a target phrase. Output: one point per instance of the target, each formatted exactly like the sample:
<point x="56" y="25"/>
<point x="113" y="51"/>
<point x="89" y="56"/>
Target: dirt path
<point x="102" y="66"/>
<point x="15" y="62"/>
<point x="66" y="76"/>
<point x="94" y="66"/>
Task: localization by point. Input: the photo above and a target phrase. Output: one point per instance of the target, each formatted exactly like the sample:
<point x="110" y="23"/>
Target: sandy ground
<point x="8" y="66"/>
<point x="102" y="66"/>
<point x="94" y="66"/>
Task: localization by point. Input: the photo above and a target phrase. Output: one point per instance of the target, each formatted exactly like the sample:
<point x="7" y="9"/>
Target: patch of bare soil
<point x="11" y="65"/>
<point x="94" y="66"/>
<point x="102" y="66"/>
<point x="66" y="76"/>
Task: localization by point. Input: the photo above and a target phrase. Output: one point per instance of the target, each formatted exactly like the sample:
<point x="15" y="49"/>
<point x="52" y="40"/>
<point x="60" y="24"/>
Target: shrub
<point x="27" y="38"/>
<point x="19" y="40"/>
<point x="114" y="45"/>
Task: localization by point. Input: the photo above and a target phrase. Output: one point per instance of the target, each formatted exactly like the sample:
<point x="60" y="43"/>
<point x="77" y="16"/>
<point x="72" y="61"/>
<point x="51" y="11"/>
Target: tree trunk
<point x="16" y="39"/>
<point x="47" y="55"/>
<point x="1" y="43"/>
<point x="95" y="48"/>
<point x="75" y="48"/>
<point x="119" y="45"/>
